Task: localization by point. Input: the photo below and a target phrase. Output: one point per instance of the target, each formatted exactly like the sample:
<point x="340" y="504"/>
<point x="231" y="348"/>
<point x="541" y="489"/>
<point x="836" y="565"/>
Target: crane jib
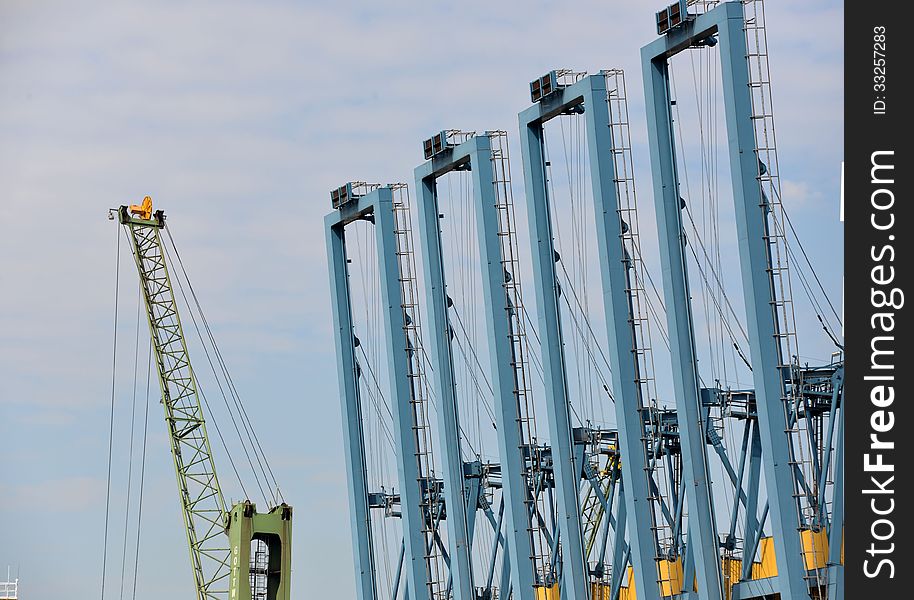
<point x="235" y="553"/>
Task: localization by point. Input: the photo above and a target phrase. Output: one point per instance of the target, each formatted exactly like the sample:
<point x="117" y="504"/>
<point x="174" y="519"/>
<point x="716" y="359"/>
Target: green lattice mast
<point x="237" y="553"/>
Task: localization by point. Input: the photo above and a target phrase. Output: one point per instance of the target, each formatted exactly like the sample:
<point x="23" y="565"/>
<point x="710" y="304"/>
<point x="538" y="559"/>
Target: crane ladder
<point x="520" y="348"/>
<point x="419" y="392"/>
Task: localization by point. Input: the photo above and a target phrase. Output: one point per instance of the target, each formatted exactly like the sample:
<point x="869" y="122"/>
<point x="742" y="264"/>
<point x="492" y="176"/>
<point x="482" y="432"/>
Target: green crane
<point x="236" y="554"/>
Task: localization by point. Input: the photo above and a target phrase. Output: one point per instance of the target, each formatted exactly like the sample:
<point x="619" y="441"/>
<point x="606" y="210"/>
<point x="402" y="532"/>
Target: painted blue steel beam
<point x="590" y="93"/>
<point x="621" y="550"/>
<point x="754" y="589"/>
<point x="753" y="528"/>
<point x="702" y="529"/>
<point x="475" y="154"/>
<point x="438" y="337"/>
<point x="567" y="472"/>
<point x="379" y="205"/>
<point x="727" y="21"/>
<point x="411" y="495"/>
<point x="836" y="526"/>
<point x="837" y="389"/>
<point x="474" y="494"/>
<point x="836" y="531"/>
<point x="353" y="435"/>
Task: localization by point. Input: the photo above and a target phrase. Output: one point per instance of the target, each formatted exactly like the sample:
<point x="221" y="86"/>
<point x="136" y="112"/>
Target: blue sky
<point x="238" y="118"/>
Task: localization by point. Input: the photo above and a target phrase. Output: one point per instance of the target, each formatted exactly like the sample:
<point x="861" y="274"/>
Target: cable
<point x="432" y="395"/>
<point x="380" y="394"/>
<point x="246" y="422"/>
<point x="697" y="79"/>
<point x="206" y="405"/>
<point x="215" y="374"/>
<point x="224" y="399"/>
<point x="698" y="234"/>
<point x="550" y="191"/>
<point x="717" y="280"/>
<point x="806" y="287"/>
<point x="469" y="341"/>
<point x="222" y="441"/>
<point x="817" y="308"/>
<point x="580" y="329"/>
<point x="117" y="280"/>
<point x="245" y="419"/>
<point x="139" y="516"/>
<point x="136" y="357"/>
<point x="808" y="261"/>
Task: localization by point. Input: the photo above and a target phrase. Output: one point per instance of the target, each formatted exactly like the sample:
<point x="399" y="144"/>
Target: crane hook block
<point x="144" y="210"/>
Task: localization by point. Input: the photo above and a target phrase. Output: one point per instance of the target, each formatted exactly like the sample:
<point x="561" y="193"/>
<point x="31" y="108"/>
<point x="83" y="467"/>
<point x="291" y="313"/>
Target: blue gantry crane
<point x="419" y="504"/>
<point x="673" y="483"/>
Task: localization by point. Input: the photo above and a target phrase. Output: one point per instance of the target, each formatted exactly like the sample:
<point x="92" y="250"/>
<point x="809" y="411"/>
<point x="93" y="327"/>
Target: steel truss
<point x="219" y="541"/>
<point x="202" y="504"/>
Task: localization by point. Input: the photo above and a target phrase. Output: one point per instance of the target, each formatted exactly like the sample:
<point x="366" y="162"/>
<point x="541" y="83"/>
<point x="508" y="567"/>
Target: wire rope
<point x="117" y="280"/>
<point x="136" y="361"/>
<point x="251" y="436"/>
<point x="806" y="286"/>
<point x="225" y="400"/>
<point x="139" y="516"/>
<point x="380" y="397"/>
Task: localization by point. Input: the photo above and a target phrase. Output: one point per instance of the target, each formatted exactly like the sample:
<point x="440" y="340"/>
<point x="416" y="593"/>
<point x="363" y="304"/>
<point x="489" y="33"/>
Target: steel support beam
<point x="567" y="473"/>
<point x="475" y="154"/>
<point x="752" y="229"/>
<point x="756" y="589"/>
<point x="411" y="495"/>
<point x="590" y="93"/>
<point x="703" y="542"/>
<point x="837" y="392"/>
<point x="727" y="22"/>
<point x="753" y="527"/>
<point x="621" y="550"/>
<point x="836" y="523"/>
<point x="353" y="435"/>
<point x="441" y="355"/>
<point x="378" y="204"/>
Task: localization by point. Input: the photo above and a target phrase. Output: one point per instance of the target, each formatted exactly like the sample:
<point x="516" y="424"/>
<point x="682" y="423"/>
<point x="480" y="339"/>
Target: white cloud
<point x="799" y="195"/>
